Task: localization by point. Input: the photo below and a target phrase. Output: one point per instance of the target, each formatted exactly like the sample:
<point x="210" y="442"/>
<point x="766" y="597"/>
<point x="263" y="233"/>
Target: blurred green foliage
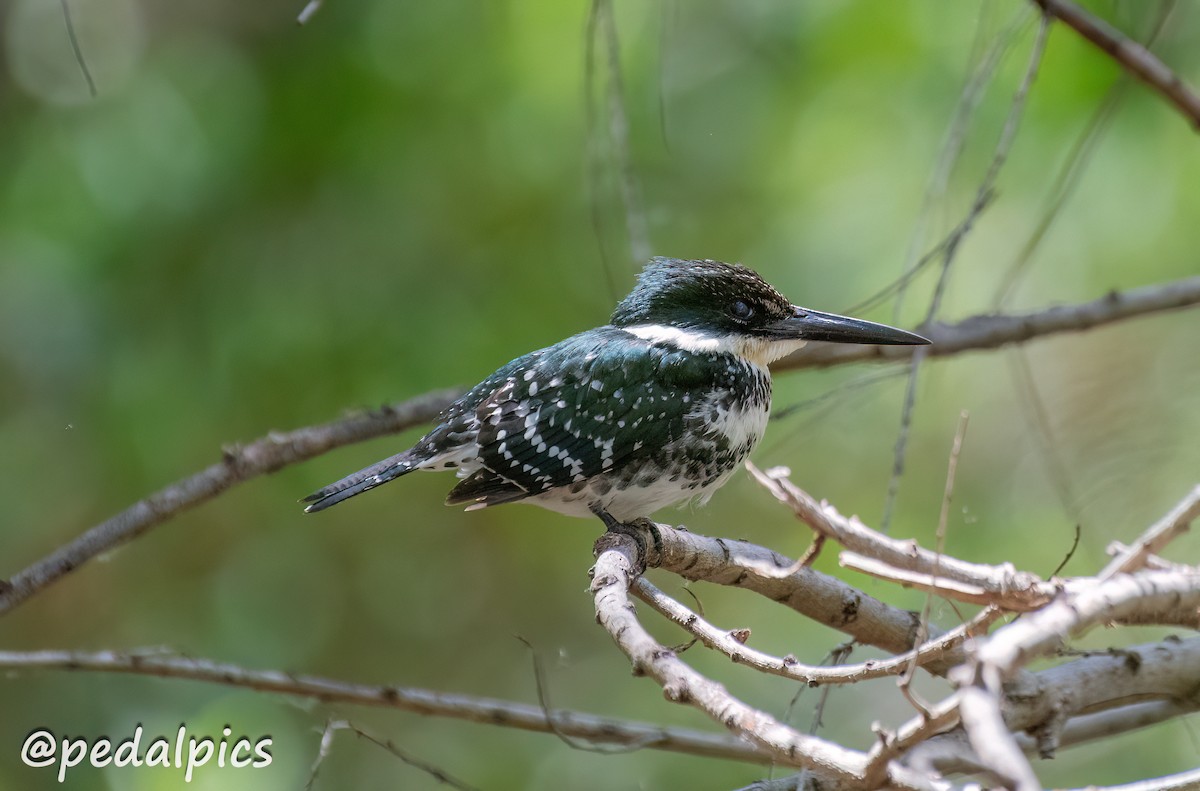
<point x="255" y="226"/>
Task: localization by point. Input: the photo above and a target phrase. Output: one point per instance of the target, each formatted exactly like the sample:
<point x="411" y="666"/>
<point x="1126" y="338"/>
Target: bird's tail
<point x="359" y="482"/>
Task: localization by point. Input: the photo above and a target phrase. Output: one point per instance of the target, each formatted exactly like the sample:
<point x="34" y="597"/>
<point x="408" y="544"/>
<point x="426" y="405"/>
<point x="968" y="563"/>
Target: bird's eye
<point x="741" y="310"/>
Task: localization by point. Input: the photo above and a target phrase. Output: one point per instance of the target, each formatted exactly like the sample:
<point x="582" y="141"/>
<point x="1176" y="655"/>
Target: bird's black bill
<point x="813" y="325"/>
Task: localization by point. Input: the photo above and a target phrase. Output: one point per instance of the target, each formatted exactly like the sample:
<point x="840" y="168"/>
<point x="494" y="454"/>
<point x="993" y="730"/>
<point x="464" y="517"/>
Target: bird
<point x="658" y="407"/>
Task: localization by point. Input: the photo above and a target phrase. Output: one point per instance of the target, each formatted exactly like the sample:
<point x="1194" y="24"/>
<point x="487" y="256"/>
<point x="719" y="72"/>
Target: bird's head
<point x="718" y="307"/>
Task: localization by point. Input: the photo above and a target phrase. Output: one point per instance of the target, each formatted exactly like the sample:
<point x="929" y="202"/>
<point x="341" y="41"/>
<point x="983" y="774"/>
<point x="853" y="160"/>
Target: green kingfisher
<point x="657" y="407"/>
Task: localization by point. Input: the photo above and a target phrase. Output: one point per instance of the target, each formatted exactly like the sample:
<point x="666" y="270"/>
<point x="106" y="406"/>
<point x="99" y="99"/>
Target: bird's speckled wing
<point x="561" y="415"/>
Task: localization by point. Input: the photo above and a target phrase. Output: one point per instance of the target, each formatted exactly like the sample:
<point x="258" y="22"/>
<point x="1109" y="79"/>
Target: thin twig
<point x="905" y="680"/>
<point x="618" y="130"/>
<point x="1131" y="56"/>
<point x="1075" y="165"/>
<point x="75" y="48"/>
<point x="309" y="10"/>
<point x="813" y="594"/>
<point x="435" y="772"/>
<point x="326" y="744"/>
<point x="982" y="198"/>
<point x="543" y="695"/>
<point x="1156" y="536"/>
<point x="948" y="156"/>
<point x="730" y="643"/>
<point x="1184" y="781"/>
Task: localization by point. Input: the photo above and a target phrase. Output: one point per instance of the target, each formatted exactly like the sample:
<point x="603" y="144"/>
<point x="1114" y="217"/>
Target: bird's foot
<point x="643" y="532"/>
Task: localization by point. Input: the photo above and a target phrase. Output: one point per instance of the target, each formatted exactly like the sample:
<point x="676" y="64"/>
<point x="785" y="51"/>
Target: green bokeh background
<point x="257" y="226"/>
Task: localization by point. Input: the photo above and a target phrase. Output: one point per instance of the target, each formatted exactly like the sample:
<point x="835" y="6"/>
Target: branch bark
<point x="238" y="464"/>
<point x="487" y="711"/>
<point x="1130" y="55"/>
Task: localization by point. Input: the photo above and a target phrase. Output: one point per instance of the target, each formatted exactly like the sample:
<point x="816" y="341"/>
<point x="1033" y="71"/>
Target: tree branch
<point x="840" y="768"/>
<point x="996" y="330"/>
<point x="1156" y="536"/>
<point x="818" y="596"/>
<point x="733" y="645"/>
<point x="238" y="463"/>
<point x="487" y="711"/>
<point x="1130" y="55"/>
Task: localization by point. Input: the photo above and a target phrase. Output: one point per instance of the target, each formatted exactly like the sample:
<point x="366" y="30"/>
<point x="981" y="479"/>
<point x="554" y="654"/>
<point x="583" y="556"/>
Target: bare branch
<point x="951" y="753"/>
<point x="487" y="711"/>
<point x="265" y="455"/>
<point x="1157" y="536"/>
<point x="1184" y="781"/>
<point x="616" y="559"/>
<point x="77" y="50"/>
<point x="437" y="773"/>
<point x="1041" y="632"/>
<point x="1130" y="55"/>
<point x="997" y="749"/>
<point x="818" y="596"/>
<point x="733" y="646"/>
<point x="996" y="330"/>
<point x="905" y="681"/>
<point x="1115" y="548"/>
<point x="1004" y="585"/>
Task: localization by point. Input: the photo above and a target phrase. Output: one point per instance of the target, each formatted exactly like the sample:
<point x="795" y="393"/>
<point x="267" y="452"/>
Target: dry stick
<point x="1041" y="632"/>
<point x="618" y="130"/>
<point x="308" y="12"/>
<point x="979" y="709"/>
<point x="907" y="563"/>
<point x="331" y="726"/>
<point x="239" y="463"/>
<point x="543" y="696"/>
<point x="487" y="711"/>
<point x="1076" y="163"/>
<point x="733" y="645"/>
<point x="1156" y="536"/>
<point x="1131" y="56"/>
<point x="1040" y="426"/>
<point x="78" y="52"/>
<point x="1115" y="548"/>
<point x="595" y="159"/>
<point x="437" y="773"/>
<point x="1012" y="647"/>
<point x="948" y="156"/>
<point x="982" y="197"/>
<point x="1002" y="585"/>
<point x="1184" y="781"/>
<point x="1096" y="697"/>
<point x="836" y="766"/>
<point x="905" y="680"/>
<point x="821" y="597"/>
<point x="994" y="331"/>
<point x="1091" y="695"/>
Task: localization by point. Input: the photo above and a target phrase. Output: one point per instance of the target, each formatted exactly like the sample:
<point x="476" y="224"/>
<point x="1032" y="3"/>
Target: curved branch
<point x="613" y="574"/>
<point x="811" y="593"/>
<point x="1130" y="55"/>
<point x="487" y="711"/>
<point x="238" y="463"/>
<point x="1156" y="536"/>
<point x="733" y="645"/>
